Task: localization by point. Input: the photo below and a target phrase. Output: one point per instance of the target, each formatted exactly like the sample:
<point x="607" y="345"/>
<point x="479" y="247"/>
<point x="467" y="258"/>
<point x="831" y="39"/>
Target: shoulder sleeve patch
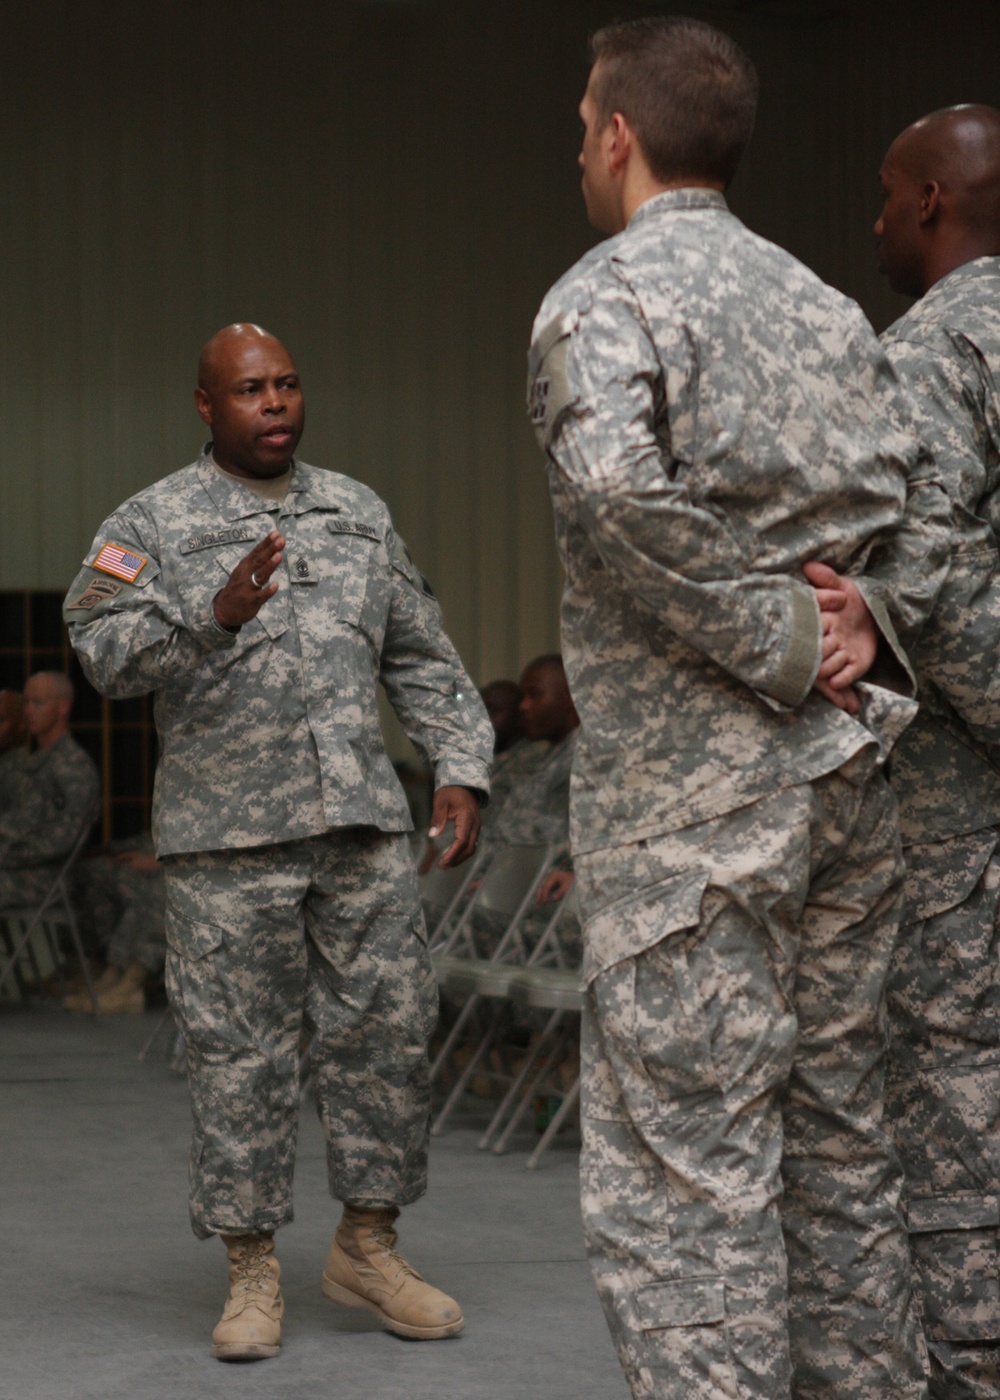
<point x="98" y="590"/>
<point x="119" y="561"/>
<point x="550" y="393"/>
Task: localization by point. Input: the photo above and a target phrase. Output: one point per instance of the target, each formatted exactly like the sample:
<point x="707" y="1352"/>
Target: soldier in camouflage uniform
<point x="939" y="240"/>
<point x="56" y="794"/>
<point x="713" y="419"/>
<point x="121" y="893"/>
<point x="262" y="600"/>
<point x="532" y="805"/>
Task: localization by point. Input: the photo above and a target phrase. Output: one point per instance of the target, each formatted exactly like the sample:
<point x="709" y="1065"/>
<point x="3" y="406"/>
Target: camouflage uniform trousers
<point x="123" y="909"/>
<point x="323" y="934"/>
<point x="740" y="1195"/>
<point x="943" y="1105"/>
<point x="28" y="885"/>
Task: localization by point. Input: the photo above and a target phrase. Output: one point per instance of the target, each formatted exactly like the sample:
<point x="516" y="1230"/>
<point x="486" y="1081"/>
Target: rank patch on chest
<point x="121" y="562"/>
<point x="300" y="572"/>
<point x="539" y="398"/>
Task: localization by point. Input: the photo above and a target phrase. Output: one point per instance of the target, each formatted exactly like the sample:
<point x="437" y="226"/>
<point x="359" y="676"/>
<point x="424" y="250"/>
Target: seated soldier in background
<point x="529" y="782"/>
<point x="503" y="701"/>
<point x="534" y="809"/>
<point x="56" y="796"/>
<point x="13" y="746"/>
<point x="122" y="891"/>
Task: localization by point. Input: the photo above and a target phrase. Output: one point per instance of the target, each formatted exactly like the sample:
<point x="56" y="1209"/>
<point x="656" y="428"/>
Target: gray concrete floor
<point x="108" y="1296"/>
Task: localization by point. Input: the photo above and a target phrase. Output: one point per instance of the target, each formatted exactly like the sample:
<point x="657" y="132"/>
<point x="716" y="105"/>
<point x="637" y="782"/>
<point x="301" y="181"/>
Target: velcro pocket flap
<point x="192" y="938"/>
<point x="646" y="916"/>
<point x="934" y="1214"/>
<point x="684" y="1302"/>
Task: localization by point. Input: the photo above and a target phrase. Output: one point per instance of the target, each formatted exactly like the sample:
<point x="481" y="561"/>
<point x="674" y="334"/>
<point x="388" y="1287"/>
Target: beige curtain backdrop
<point x="390" y="187"/>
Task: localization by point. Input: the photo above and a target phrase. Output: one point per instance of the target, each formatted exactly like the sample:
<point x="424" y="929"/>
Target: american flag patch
<point x="116" y="559"/>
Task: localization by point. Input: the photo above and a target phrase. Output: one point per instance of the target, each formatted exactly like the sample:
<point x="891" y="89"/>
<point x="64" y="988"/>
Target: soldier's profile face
<point x="253" y="404"/>
<point x="595" y="182"/>
<point x="42" y="707"/>
<point x="545" y="702"/>
<point x="897" y="228"/>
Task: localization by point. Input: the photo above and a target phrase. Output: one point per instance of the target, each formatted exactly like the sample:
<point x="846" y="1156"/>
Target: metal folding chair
<point x="546" y="982"/>
<point x="507" y="888"/>
<point x="54" y="911"/>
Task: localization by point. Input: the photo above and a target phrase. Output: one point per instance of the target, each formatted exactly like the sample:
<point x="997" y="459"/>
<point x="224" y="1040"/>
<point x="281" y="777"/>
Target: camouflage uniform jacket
<point x="272" y="733"/>
<point x="713" y="417"/>
<point x="58" y="791"/>
<point x="946" y="769"/>
<point x="536" y="809"/>
<point x="12" y="764"/>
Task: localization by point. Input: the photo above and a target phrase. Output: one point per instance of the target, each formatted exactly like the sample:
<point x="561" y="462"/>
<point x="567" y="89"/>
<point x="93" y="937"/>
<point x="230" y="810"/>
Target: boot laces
<point x="385" y="1236"/>
<point x="251" y="1269"/>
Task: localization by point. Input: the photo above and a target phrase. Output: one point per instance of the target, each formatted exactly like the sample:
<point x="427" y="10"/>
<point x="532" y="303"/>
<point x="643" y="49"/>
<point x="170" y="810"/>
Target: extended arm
<point x="437" y="704"/>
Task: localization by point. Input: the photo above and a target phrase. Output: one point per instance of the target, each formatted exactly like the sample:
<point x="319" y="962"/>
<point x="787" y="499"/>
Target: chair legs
<point x="19" y="945"/>
<point x="465" y="1078"/>
<point x="452" y="1036"/>
<point x="558" y="1119"/>
<point x="541" y="1050"/>
<point x="511" y="1096"/>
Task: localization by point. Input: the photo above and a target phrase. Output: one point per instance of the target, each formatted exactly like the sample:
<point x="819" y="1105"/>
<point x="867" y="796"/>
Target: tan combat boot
<point x="363" y="1270"/>
<point x="128" y="995"/>
<point x="78" y="998"/>
<point x="250" y="1328"/>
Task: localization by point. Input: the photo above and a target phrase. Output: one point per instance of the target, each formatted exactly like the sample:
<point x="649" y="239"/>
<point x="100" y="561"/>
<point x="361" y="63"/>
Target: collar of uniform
<point x="691" y="197"/>
<point x="312" y="488"/>
<point x="231" y="500"/>
<point x="967" y="272"/>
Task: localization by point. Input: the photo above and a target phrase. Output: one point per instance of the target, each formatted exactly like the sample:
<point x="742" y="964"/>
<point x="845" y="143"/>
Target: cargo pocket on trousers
<point x="954" y="1242"/>
<point x="197" y="990"/>
<point x="683" y="1324"/>
<point x="192" y="938"/>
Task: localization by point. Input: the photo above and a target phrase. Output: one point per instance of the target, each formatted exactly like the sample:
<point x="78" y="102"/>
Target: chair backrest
<point x="45" y="909"/>
<point x="559" y="945"/>
<point x="513" y="871"/>
<point x="510" y="877"/>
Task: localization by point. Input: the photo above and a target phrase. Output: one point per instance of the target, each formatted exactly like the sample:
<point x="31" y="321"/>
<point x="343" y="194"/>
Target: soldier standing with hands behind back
<point x="713" y="418"/>
<point x="939" y="240"/>
<point x="262" y="599"/>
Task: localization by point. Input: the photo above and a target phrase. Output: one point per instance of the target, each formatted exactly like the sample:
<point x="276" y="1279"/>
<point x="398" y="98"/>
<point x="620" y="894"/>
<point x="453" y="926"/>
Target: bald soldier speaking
<point x="262" y="600"/>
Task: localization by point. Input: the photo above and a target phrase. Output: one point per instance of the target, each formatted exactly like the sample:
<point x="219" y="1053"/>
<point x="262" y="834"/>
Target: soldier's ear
<point x="930" y="201"/>
<point x="203" y="404"/>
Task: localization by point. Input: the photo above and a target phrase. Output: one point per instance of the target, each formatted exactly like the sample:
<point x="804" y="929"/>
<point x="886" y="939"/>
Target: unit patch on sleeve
<point x="121" y="562"/>
<point x="539" y="399"/>
<point x="98" y="590"/>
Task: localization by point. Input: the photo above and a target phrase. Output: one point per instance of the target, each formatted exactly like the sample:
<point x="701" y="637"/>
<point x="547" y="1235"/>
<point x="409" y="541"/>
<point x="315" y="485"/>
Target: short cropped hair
<point x="688" y="91"/>
<point x="551" y="661"/>
<point x="59" y="683"/>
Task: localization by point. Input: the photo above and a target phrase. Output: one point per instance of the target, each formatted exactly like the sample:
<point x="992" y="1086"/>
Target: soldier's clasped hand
<point x="249" y="587"/>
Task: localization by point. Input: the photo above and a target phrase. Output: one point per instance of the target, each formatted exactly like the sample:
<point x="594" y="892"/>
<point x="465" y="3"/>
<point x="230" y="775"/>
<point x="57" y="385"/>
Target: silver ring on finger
<point x="255" y="580"/>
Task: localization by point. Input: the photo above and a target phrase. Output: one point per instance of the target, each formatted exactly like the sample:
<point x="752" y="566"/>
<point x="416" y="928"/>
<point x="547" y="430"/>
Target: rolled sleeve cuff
<point x="803" y="655"/>
<point x="906" y="682"/>
<point x="463" y="770"/>
<point x="206" y="629"/>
